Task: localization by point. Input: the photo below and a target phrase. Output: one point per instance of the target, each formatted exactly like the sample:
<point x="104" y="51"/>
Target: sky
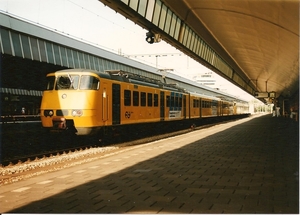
<point x="92" y="22"/>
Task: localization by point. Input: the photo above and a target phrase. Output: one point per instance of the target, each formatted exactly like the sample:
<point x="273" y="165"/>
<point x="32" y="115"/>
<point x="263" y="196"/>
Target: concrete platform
<point x="246" y="166"/>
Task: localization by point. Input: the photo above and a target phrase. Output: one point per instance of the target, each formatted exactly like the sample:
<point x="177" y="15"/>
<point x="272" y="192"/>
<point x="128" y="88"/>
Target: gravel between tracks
<point x="13" y="173"/>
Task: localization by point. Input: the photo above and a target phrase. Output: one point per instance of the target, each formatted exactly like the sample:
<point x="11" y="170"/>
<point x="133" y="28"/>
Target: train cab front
<point x="68" y="102"/>
<point x="66" y="121"/>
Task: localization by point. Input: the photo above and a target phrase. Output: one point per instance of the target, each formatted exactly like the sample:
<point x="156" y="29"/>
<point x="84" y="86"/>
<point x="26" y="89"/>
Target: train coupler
<point x="59" y="123"/>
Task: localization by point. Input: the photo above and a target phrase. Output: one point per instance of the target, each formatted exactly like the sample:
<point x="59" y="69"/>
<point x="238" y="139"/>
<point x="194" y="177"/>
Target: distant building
<point x="206" y="79"/>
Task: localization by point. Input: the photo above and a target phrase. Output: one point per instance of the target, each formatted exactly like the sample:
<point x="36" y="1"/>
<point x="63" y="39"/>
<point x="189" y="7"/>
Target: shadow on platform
<point x="249" y="168"/>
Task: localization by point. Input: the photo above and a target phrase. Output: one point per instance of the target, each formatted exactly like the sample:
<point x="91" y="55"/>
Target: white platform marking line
<point x="45" y="182"/>
<point x="21" y="189"/>
<point x="93" y="167"/>
<point x="80" y="171"/>
<point x="64" y="176"/>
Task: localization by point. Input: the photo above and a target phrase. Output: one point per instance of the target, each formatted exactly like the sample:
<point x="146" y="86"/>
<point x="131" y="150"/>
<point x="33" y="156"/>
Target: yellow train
<point x="85" y="101"/>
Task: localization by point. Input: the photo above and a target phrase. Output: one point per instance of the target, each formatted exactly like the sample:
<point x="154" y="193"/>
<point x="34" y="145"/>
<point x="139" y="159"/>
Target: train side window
<point x="135" y="98"/>
<point x="89" y="83"/>
<point x="127" y="97"/>
<point x="168" y="101"/>
<point x="176" y="101"/>
<point x="214" y="103"/>
<point x="143" y="99"/>
<point x="149" y="99"/>
<point x="172" y="101"/>
<point x="155" y="100"/>
<point x="50" y="82"/>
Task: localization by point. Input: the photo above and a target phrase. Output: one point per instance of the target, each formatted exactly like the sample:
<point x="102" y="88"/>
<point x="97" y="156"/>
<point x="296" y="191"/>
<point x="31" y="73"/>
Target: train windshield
<point x="67" y="82"/>
<point x="71" y="82"/>
<point x="50" y="82"/>
<point x="89" y="83"/>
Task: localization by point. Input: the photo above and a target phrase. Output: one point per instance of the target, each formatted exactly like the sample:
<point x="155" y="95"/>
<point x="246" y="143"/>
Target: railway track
<point x="65" y="145"/>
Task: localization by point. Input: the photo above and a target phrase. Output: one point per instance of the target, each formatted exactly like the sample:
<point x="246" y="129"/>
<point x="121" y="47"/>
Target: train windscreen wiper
<point x="71" y="80"/>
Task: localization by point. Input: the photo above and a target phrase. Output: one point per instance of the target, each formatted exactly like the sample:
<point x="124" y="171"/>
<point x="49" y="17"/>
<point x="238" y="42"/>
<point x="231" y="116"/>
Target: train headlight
<point x="76" y="112"/>
<point x="48" y="113"/>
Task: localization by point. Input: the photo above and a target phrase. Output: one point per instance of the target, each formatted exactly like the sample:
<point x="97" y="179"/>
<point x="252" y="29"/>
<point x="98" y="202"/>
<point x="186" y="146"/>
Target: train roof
<point x="124" y="76"/>
<point x="142" y="80"/>
<point x="205" y="96"/>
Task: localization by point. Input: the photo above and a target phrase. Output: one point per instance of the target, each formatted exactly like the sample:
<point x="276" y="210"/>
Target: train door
<point x="221" y="108"/>
<point x="214" y="108"/>
<point x="162" y="106"/>
<point x="200" y="107"/>
<point x="189" y="105"/>
<point x="104" y="103"/>
<point x="116" y="104"/>
<point x="184" y="106"/>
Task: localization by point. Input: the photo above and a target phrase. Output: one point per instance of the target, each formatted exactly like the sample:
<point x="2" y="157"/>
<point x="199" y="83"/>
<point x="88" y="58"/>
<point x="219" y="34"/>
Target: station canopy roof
<point x="258" y="38"/>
